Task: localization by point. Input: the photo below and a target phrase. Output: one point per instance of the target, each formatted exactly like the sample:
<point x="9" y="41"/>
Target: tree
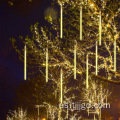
<point x="19" y="114"/>
<point x="34" y="92"/>
<point x="97" y="97"/>
<point x="61" y="50"/>
<point x="74" y="50"/>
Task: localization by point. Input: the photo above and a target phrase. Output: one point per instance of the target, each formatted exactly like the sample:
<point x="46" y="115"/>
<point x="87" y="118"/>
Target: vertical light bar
<point x="115" y="55"/>
<point x="25" y="60"/>
<point x="59" y="114"/>
<point x="100" y="28"/>
<point x="87" y="71"/>
<point x="96" y="72"/>
<point x="61" y="81"/>
<point x="81" y="22"/>
<point x="61" y="21"/>
<point x="47" y="64"/>
<point x="75" y="62"/>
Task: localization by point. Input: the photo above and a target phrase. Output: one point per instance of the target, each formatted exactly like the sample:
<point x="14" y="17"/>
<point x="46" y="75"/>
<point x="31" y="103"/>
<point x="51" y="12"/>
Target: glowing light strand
<point x="81" y="22"/>
<point x="61" y="82"/>
<point x="59" y="114"/>
<point x="61" y="21"/>
<point x="87" y="71"/>
<point x="47" y="64"/>
<point x="75" y="62"/>
<point x="115" y="55"/>
<point x="96" y="57"/>
<point x="100" y="28"/>
<point x="25" y="60"/>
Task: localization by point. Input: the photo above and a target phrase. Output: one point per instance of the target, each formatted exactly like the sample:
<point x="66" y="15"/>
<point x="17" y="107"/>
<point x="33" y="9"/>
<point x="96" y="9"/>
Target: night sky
<point x="15" y="20"/>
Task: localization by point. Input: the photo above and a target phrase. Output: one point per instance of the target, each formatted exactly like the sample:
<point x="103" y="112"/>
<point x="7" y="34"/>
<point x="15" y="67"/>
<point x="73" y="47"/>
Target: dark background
<point x="15" y="20"/>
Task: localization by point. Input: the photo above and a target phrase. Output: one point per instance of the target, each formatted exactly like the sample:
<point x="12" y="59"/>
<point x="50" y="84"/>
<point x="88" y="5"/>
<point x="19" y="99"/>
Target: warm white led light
<point x="46" y="64"/>
<point x="25" y="60"/>
<point x="75" y="62"/>
<point x="80" y="22"/>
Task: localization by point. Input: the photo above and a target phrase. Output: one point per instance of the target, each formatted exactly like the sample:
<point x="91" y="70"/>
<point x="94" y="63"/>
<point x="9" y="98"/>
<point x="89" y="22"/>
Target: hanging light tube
<point x="75" y="62"/>
<point x="81" y="22"/>
<point x="87" y="71"/>
<point x="61" y="21"/>
<point x="47" y="64"/>
<point x="96" y="72"/>
<point x="115" y="55"/>
<point x="100" y="28"/>
<point x="25" y="60"/>
<point x="61" y="81"/>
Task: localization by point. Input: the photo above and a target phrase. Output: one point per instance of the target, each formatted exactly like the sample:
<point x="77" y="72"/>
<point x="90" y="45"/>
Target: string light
<point x="115" y="55"/>
<point x="57" y="62"/>
<point x="47" y="64"/>
<point x="75" y="62"/>
<point x="25" y="60"/>
<point x="96" y="57"/>
<point x="81" y="22"/>
<point x="87" y="71"/>
<point x="61" y="25"/>
<point x="61" y="80"/>
<point x="100" y="28"/>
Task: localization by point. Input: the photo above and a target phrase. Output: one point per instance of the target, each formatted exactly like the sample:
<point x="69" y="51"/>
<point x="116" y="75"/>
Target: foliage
<point x="34" y="92"/>
<point x="19" y="114"/>
<point x="61" y="50"/>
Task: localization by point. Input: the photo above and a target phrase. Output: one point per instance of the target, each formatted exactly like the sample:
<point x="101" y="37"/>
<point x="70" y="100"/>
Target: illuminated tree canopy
<point x="82" y="39"/>
<point x="61" y="50"/>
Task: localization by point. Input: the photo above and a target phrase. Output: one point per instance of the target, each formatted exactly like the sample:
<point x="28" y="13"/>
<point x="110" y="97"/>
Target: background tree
<point x="34" y="92"/>
<point x="18" y="114"/>
<point x="97" y="96"/>
<point x="47" y="96"/>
